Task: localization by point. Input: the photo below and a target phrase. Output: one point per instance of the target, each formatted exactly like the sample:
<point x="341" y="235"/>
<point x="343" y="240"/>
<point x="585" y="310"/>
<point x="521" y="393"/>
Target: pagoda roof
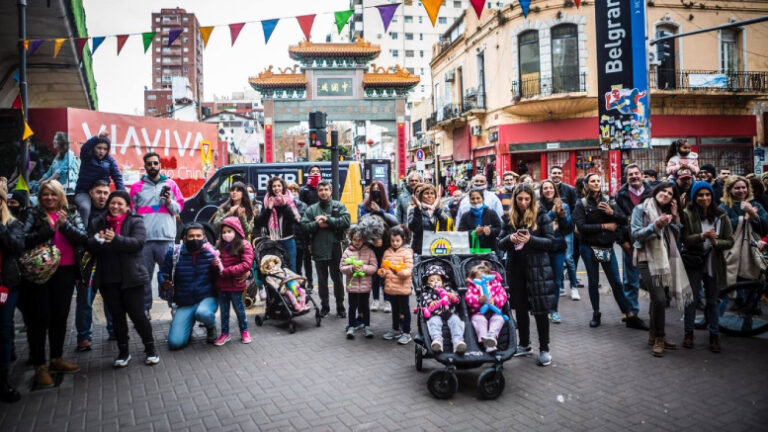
<point x="381" y="78"/>
<point x="359" y="48"/>
<point x="286" y="78"/>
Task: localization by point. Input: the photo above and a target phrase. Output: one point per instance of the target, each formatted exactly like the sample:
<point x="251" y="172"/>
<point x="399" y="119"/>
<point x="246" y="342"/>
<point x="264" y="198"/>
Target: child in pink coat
<point x="235" y="261"/>
<point x="359" y="282"/>
<point x="487" y="330"/>
<point x="679" y="155"/>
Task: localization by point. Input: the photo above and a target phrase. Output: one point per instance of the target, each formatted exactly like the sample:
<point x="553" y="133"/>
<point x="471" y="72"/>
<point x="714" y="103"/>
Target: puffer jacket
<point x="398" y="283"/>
<point x="533" y="260"/>
<point x="37" y="230"/>
<point x="235" y="266"/>
<point x="370" y="265"/>
<point x="588" y="219"/>
<point x="495" y="289"/>
<point x="11" y="246"/>
<point x="194" y="275"/>
<point x="127" y="245"/>
<point x="92" y="169"/>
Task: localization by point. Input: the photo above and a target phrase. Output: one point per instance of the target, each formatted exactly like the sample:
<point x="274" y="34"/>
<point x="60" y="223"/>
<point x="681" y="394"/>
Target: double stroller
<point x="442" y="383"/>
<point x="277" y="307"/>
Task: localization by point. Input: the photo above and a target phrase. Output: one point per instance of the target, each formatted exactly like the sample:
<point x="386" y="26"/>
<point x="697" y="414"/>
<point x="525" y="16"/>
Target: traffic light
<point x="664" y="50"/>
<point x="318" y="137"/>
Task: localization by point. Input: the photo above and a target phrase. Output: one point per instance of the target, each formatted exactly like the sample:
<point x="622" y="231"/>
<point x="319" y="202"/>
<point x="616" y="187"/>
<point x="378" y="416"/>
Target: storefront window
<point x="565" y="58"/>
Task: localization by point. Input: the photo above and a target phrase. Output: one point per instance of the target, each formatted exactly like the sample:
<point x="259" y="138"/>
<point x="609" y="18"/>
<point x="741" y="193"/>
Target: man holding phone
<point x="159" y="201"/>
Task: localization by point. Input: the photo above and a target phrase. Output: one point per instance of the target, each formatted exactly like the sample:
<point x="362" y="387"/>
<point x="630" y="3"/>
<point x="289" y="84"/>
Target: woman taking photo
<point x="11" y="245"/>
<point x="377" y="203"/>
<point x="280" y="216"/>
<point x="480" y="220"/>
<point x="707" y="235"/>
<point x="426" y="215"/>
<point x="562" y="225"/>
<point x="116" y="239"/>
<point x="238" y="205"/>
<point x="654" y="233"/>
<point x="527" y="238"/>
<point x="46" y="305"/>
<point x="597" y="219"/>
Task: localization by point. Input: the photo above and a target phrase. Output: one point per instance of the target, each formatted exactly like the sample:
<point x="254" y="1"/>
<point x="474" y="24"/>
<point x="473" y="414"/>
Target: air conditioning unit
<point x="653" y="58"/>
<point x="493" y="136"/>
<point x="450" y="76"/>
<point x="476" y="130"/>
<point x="470" y="92"/>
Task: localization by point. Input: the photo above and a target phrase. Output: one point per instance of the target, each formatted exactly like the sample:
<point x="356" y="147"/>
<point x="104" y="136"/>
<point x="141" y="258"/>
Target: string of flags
<point x="341" y="18"/>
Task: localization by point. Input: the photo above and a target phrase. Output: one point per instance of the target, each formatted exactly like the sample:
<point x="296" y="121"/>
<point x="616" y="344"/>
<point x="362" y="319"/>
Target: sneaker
<point x="223" y="338"/>
<point x="437" y="346"/>
<point x="210" y="335"/>
<point x="490" y="343"/>
<point x="392" y="334"/>
<point x="84" y="345"/>
<point x="404" y="338"/>
<point x="523" y="351"/>
<point x="43" y="377"/>
<point x="562" y="292"/>
<point x="359" y="327"/>
<point x="341" y="313"/>
<point x="387" y="307"/>
<point x="324" y="311"/>
<point x="59" y="365"/>
<point x="122" y="361"/>
<point x="459" y="347"/>
<point x="148" y="314"/>
<point x="367" y="332"/>
<point x="545" y="358"/>
<point x="575" y="294"/>
<point x="350" y="332"/>
<point x="555" y="318"/>
<point x="375" y="306"/>
<point x="245" y="337"/>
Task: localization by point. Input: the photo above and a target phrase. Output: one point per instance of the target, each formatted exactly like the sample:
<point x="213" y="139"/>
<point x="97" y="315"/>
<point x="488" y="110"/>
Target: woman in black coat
<point x="427" y="214"/>
<point x="117" y="239"/>
<point x="481" y="220"/>
<point x="527" y="237"/>
<point x="11" y="245"/>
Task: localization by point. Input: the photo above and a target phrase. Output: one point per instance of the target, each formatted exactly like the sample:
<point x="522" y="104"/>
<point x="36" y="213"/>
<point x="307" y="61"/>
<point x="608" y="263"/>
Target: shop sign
<point x="553" y="146"/>
<point x="334" y="87"/>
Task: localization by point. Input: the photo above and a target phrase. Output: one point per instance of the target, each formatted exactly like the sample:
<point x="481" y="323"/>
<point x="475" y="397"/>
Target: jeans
<point x="236" y="298"/>
<point x="84" y="313"/>
<point x="485" y="327"/>
<point x="6" y="329"/>
<point x="401" y="313"/>
<point x="378" y="285"/>
<point x="631" y="283"/>
<point x="711" y="292"/>
<point x="569" y="261"/>
<point x="611" y="270"/>
<point x="184" y="320"/>
<point x="83" y="203"/>
<point x="455" y="325"/>
<point x="130" y="301"/>
<point x="154" y="253"/>
<point x="658" y="299"/>
<point x="290" y="247"/>
<point x="324" y="268"/>
<point x="358" y="304"/>
<point x="558" y="262"/>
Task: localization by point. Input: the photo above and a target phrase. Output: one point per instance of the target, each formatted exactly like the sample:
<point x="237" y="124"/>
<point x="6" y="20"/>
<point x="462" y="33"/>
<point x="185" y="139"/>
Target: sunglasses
<point x="152" y="163"/>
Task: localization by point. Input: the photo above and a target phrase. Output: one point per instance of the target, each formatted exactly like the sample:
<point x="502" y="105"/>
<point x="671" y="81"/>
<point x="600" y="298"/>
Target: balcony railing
<point x="694" y="80"/>
<point x="432" y="121"/>
<point x="451" y="111"/>
<point x="549" y="85"/>
<point x="476" y="102"/>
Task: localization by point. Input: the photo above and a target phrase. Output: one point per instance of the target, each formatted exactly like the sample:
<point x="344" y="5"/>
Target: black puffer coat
<point x="11" y="246"/>
<point x="37" y="230"/>
<point x="539" y="281"/>
<point x="126" y="247"/>
<point x="589" y="218"/>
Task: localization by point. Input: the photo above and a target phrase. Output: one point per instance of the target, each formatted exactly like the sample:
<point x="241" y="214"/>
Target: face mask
<point x="251" y="196"/>
<point x="313" y="180"/>
<point x="228" y="237"/>
<point x="375" y="194"/>
<point x="481" y="187"/>
<point x="477" y="206"/>
<point x="194" y="245"/>
<point x="15" y="211"/>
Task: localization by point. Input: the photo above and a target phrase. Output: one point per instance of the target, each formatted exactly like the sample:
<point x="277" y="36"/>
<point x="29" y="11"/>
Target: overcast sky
<point x="121" y="80"/>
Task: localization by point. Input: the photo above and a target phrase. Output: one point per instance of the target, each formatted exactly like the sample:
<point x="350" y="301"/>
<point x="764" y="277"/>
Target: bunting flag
<point x="21" y="184"/>
<point x="120" y="42"/>
<point x="173" y="35"/>
<point x="81" y="43"/>
<point x="16" y="102"/>
<point x="387" y="12"/>
<point x="234" y="31"/>
<point x="578" y="3"/>
<point x="34" y="46"/>
<point x="57" y="46"/>
<point x="96" y="42"/>
<point x="27" y="131"/>
<point x="147" y="38"/>
<point x="478" y="5"/>
<point x="205" y="33"/>
<point x="432" y="7"/>
<point x="268" y="26"/>
<point x="305" y="22"/>
<point x="342" y="17"/>
<point x="526" y="5"/>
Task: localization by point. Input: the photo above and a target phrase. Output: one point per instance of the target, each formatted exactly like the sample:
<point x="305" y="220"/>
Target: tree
<point x="325" y="156"/>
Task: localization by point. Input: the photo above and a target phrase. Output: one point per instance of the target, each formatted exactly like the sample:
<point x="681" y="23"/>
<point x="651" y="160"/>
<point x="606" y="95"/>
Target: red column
<point x="402" y="160"/>
<point x="572" y="165"/>
<point x="268" y="151"/>
<point x="544" y="169"/>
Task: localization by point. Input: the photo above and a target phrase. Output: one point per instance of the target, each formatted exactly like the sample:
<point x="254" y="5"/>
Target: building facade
<point x="511" y="93"/>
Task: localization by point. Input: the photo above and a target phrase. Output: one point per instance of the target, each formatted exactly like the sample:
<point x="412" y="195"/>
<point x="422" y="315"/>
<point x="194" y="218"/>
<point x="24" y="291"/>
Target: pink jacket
<point x="235" y="266"/>
<point x="496" y="289"/>
<point x="370" y="265"/>
<point x="400" y="283"/>
<point x="676" y="161"/>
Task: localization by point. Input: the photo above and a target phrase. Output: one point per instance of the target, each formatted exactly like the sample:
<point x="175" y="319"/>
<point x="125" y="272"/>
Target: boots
<point x="60" y="365"/>
<point x="43" y="377"/>
<point x="714" y="343"/>
<point x="688" y="340"/>
<point x="651" y="338"/>
<point x="595" y="319"/>
<point x="658" y="347"/>
<point x="634" y="322"/>
<point x="8" y="394"/>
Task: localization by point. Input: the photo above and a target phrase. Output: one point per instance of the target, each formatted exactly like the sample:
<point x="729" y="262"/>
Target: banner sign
<point x="402" y="162"/>
<point x="268" y="156"/>
<point x="445" y="243"/>
<point x="614" y="171"/>
<point x="622" y="75"/>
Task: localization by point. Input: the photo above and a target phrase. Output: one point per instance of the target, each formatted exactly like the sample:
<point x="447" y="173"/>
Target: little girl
<point x="679" y="155"/>
<point x="284" y="281"/>
<point x="439" y="303"/>
<point x="397" y="283"/>
<point x="359" y="264"/>
<point x="487" y="330"/>
<point x="234" y="262"/>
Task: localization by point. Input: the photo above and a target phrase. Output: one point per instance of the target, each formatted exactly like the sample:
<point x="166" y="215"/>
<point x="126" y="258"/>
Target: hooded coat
<point x="92" y="169"/>
<point x="235" y="266"/>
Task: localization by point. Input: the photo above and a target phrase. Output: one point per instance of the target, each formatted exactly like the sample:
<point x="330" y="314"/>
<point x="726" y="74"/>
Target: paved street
<point x="601" y="379"/>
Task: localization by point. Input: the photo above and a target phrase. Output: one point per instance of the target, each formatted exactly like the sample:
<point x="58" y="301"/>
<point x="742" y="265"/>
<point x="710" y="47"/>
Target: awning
<point x="483" y="151"/>
<point x="461" y="143"/>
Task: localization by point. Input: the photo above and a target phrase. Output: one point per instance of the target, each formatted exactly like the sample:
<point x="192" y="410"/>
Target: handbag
<point x="40" y="263"/>
<point x="476" y="249"/>
<point x="602" y="255"/>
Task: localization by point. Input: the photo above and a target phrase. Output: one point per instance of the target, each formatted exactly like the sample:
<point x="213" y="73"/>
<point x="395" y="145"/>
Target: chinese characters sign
<point x="334" y="87"/>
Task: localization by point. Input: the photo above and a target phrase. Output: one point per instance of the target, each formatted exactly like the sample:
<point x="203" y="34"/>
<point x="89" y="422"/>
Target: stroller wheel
<point x="291" y="328"/>
<point x="490" y="384"/>
<point x="259" y="321"/>
<point x="442" y="384"/>
<point x="419" y="356"/>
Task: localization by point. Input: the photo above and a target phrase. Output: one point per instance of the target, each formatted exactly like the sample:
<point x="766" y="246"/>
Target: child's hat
<point x="266" y="259"/>
<point x="435" y="269"/>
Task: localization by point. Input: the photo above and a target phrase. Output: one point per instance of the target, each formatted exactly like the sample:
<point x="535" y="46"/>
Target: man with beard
<point x="684" y="182"/>
<point x="159" y="201"/>
<point x="707" y="173"/>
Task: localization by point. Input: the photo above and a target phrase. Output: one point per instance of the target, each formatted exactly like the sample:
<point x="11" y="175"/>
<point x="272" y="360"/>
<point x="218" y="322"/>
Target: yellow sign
<point x="206" y="152"/>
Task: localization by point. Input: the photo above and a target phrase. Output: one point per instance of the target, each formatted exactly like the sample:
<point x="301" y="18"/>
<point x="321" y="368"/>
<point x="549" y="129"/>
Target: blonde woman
<point x="11" y="244"/>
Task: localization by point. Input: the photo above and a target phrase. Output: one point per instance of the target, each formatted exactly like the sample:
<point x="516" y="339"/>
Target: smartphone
<point x="522" y="231"/>
<point x="165" y="189"/>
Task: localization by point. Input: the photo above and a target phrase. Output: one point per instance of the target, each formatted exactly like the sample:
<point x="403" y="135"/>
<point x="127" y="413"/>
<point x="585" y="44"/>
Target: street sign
<point x="419" y="154"/>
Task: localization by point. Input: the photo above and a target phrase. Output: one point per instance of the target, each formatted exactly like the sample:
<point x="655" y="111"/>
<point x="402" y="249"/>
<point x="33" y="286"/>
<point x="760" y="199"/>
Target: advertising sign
<point x="622" y="75"/>
<point x="614" y="171"/>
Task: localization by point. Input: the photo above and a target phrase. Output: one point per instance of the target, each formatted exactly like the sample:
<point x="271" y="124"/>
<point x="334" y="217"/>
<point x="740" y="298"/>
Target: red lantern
<point x="369" y="142"/>
<point x="301" y="143"/>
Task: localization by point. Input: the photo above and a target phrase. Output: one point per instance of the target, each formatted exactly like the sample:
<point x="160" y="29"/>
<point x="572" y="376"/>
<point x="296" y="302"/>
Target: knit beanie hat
<point x="709" y="168"/>
<point x="21" y="196"/>
<point x="697" y="186"/>
<point x="119" y="193"/>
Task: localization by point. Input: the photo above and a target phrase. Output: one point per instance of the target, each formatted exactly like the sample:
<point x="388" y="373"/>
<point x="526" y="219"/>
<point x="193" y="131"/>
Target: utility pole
<point x="24" y="147"/>
<point x="335" y="164"/>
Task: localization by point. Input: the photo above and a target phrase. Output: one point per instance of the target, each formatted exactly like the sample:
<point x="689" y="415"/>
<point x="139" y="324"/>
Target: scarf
<point x="478" y="214"/>
<point x="313" y="180"/>
<point x="664" y="262"/>
<point x="429" y="210"/>
<point x="116" y="222"/>
<point x="274" y="219"/>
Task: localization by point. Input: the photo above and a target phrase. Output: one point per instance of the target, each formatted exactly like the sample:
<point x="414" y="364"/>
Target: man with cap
<point x="708" y="173"/>
<point x="684" y="182"/>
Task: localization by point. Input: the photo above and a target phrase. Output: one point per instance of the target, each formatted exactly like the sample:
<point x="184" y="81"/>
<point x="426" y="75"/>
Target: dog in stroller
<point x="442" y="383"/>
<point x="277" y="306"/>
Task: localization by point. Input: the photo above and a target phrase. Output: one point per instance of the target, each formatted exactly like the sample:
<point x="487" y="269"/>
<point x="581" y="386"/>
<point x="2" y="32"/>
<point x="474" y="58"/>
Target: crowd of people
<point x="679" y="239"/>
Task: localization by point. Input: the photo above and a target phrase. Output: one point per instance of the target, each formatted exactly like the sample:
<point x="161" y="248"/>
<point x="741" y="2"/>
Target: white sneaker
<point x="575" y="294"/>
<point x="387" y="307"/>
<point x="437" y="345"/>
<point x="375" y="306"/>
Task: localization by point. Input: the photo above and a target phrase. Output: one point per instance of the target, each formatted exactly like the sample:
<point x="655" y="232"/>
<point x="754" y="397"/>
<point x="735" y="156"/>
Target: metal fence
<point x="677" y="79"/>
<point x="549" y="85"/>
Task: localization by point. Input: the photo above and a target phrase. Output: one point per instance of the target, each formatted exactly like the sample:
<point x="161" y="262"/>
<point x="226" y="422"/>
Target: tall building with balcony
<point x="184" y="58"/>
<point x="519" y="94"/>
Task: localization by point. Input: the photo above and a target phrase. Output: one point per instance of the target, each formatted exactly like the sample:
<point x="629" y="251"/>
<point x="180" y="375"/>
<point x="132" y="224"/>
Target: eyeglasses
<point x="152" y="163"/>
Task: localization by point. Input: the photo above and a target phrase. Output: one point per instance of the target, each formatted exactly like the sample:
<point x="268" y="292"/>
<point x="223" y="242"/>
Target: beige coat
<point x="398" y="283"/>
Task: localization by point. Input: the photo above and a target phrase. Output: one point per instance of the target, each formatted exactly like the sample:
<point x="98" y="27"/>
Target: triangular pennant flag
<point x="234" y="31"/>
<point x="342" y="17"/>
<point x="147" y="38"/>
<point x="16" y="102"/>
<point x="27" y="131"/>
<point x="34" y="46"/>
<point x="526" y="5"/>
<point x="120" y="42"/>
<point x="578" y="3"/>
<point x="387" y="12"/>
<point x="305" y="22"/>
<point x="205" y="33"/>
<point x="173" y="35"/>
<point x="269" y="26"/>
<point x="432" y="7"/>
<point x="57" y="46"/>
<point x="80" y="43"/>
<point x="21" y="184"/>
<point x="478" y="5"/>
<point x="96" y="42"/>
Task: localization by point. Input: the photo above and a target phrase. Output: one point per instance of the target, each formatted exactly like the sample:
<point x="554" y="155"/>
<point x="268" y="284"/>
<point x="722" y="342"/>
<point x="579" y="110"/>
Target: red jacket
<point x="235" y="266"/>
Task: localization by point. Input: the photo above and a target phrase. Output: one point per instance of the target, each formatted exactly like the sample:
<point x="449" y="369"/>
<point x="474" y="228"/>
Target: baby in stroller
<point x="284" y="281"/>
<point x="486" y="295"/>
<point x="438" y="303"/>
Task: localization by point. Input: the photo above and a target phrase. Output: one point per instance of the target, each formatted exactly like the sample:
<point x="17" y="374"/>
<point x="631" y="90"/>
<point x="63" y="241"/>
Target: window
<point x="729" y="51"/>
<point x="157" y="59"/>
<point x="186" y="40"/>
<point x="186" y="69"/>
<point x="151" y="110"/>
<point x="423" y="89"/>
<point x="528" y="50"/>
<point x="165" y="41"/>
<point x="408" y="19"/>
<point x="442" y="20"/>
<point x="186" y="29"/>
<point x="411" y="71"/>
<point x="421" y="71"/>
<point x="565" y="58"/>
<point x="157" y="19"/>
<point x="409" y="36"/>
<point x="409" y="53"/>
<point x="395" y="53"/>
<point x="421" y="36"/>
<point x="151" y="97"/>
<point x="186" y="49"/>
<point x="421" y="53"/>
<point x="185" y="19"/>
<point x="157" y="29"/>
<point x="421" y="19"/>
<point x="665" y="55"/>
<point x="394" y="19"/>
<point x="218" y="190"/>
<point x="457" y="4"/>
<point x="393" y="35"/>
